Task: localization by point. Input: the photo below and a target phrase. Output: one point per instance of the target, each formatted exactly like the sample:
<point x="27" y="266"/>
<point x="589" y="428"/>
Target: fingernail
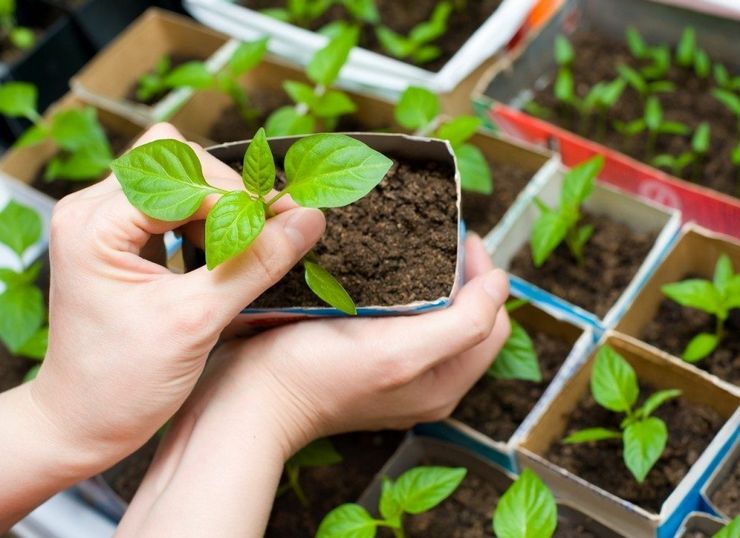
<point x="496" y="285"/>
<point x="304" y="227"/>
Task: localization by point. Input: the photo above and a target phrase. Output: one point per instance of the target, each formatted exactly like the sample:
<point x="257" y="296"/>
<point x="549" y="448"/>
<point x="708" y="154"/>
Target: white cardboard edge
<point x="719" y="472"/>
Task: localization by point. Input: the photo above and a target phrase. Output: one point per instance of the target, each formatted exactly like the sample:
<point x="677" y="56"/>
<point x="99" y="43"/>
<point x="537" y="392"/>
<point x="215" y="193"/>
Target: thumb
<point x="237" y="282"/>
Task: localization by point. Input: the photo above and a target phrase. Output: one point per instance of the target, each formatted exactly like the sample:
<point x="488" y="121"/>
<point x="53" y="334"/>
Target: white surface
<point x="64" y="516"/>
<point x="723" y="8"/>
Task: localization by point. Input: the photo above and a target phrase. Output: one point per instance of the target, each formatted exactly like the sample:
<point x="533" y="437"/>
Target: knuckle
<point x="395" y="373"/>
<point x="476" y="329"/>
<point x="195" y="319"/>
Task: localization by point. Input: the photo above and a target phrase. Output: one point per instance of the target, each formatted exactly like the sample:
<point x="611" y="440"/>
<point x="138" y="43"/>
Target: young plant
<point x="716" y="297"/>
<point x="164" y="180"/>
<point x="730" y="101"/>
<point x="319" y="453"/>
<point x="418" y="110"/>
<point x="304" y="12"/>
<point x="559" y="224"/>
<point x="690" y="56"/>
<point x="699" y="149"/>
<point x="642" y="86"/>
<point x="614" y="387"/>
<point x="23" y="328"/>
<point x="652" y="122"/>
<point x="19" y="36"/>
<point x="418" y="44"/>
<point x="195" y="74"/>
<point x="318" y="107"/>
<point x="84" y="152"/>
<point x="658" y="57"/>
<point x="564" y="87"/>
<point x="518" y="358"/>
<point x="416" y="491"/>
<point x="724" y="80"/>
<point x="526" y="510"/>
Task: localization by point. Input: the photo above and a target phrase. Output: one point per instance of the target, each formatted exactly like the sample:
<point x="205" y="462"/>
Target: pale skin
<point x="128" y="348"/>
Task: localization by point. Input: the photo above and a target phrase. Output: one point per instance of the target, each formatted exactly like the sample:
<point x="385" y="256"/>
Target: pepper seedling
<point x="559" y="224"/>
<point x="418" y="110"/>
<point x="20" y="36"/>
<point x="318" y="104"/>
<point x="724" y="80"/>
<point x="716" y="297"/>
<point x="699" y="149"/>
<point x="652" y="122"/>
<point x="416" y="491"/>
<point x="418" y="44"/>
<point x="614" y="387"/>
<point x="659" y="57"/>
<point x="730" y="101"/>
<point x="319" y="453"/>
<point x="164" y="180"/>
<point x="644" y="87"/>
<point x="690" y="56"/>
<point x="518" y="358"/>
<point x="526" y="510"/>
<point x="23" y="315"/>
<point x="84" y="152"/>
<point x="196" y="75"/>
<point x="564" y="87"/>
<point x="304" y="12"/>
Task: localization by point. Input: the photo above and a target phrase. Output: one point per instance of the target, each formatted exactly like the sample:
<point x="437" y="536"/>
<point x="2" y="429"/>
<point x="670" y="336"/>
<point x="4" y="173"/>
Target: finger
<point x="477" y="260"/>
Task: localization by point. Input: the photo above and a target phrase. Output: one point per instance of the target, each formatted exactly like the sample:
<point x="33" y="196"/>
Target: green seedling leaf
<point x="512" y="305"/>
<point x="417" y="108"/>
<point x="363" y="10"/>
<point x="644" y="442"/>
<point x="32" y="373"/>
<point x="578" y="239"/>
<point x="700" y="346"/>
<point x="723" y="274"/>
<point x="286" y="121"/>
<point x="655" y="400"/>
<point x="631" y="128"/>
<point x="426" y="54"/>
<point x="633" y="78"/>
<point x="735" y="155"/>
<point x="591" y="434"/>
<point x="22" y="37"/>
<point x="390" y="509"/>
<point x="163" y="179"/>
<point x="247" y="56"/>
<point x="661" y="63"/>
<point x="653" y="114"/>
<point x="701" y="138"/>
<point x="731" y="530"/>
<point x="702" y="64"/>
<point x="729" y="99"/>
<point x="319" y="453"/>
<point x="422" y="488"/>
<point x="328" y="289"/>
<point x="674" y="128"/>
<point x="695" y="293"/>
<point x="19" y="99"/>
<point x="518" y="358"/>
<point x="77" y="128"/>
<point x="661" y="86"/>
<point x="613" y="381"/>
<point x="458" y="130"/>
<point x="548" y="232"/>
<point x="22" y="312"/>
<point x="393" y="43"/>
<point x="36" y="346"/>
<point x="326" y="64"/>
<point x="526" y="510"/>
<point x="475" y="173"/>
<point x="88" y="162"/>
<point x="258" y="172"/>
<point x="435" y="27"/>
<point x="20" y="227"/>
<point x="331" y="170"/>
<point x="190" y="75"/>
<point x="35" y="134"/>
<point x="332" y="104"/>
<point x="231" y="226"/>
<point x="564" y="54"/>
<point x="300" y="93"/>
<point x="686" y="48"/>
<point x="564" y="86"/>
<point x="636" y="44"/>
<point x="347" y="521"/>
<point x="579" y="181"/>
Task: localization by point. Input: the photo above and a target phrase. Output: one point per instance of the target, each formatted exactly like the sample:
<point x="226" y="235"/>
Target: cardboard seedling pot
<point x="508" y="86"/>
<point x="695" y="253"/>
<point x="502" y="452"/>
<point x="639" y="215"/>
<point x="700" y="522"/>
<point x="662" y="372"/>
<point x="366" y="69"/>
<point x="419" y="450"/>
<point x="721" y="474"/>
<point x="106" y="81"/>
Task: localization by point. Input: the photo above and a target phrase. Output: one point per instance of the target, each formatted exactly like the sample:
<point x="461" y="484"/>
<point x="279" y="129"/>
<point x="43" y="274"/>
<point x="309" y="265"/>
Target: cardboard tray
<point x="724" y="469"/>
<point x="695" y="252"/>
<point x="107" y="79"/>
<point x="698" y="521"/>
<point x="507" y="87"/>
<point x="663" y="372"/>
<point x="637" y="214"/>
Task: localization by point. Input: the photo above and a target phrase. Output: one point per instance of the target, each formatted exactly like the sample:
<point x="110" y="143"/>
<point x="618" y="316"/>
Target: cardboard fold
<point x="700" y="522"/>
<point x="721" y="473"/>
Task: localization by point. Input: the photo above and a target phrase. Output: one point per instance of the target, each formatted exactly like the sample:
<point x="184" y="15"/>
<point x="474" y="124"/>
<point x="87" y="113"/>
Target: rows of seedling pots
<point x="654" y="88"/>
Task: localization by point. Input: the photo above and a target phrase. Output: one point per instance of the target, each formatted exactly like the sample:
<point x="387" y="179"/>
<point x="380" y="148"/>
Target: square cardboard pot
<point x="695" y="253"/>
<point x="700" y="522"/>
<point x="106" y="81"/>
<point x="366" y="69"/>
<point x="722" y="473"/>
<point x="639" y="215"/>
<point x="627" y="518"/>
<point x="508" y="86"/>
<point x="502" y="452"/>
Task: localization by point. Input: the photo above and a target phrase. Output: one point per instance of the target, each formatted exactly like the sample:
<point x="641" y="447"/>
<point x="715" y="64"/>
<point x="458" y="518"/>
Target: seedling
<point x="196" y="75"/>
<point x="723" y="78"/>
<point x="23" y="328"/>
<point x="526" y="510"/>
<point x="614" y="387"/>
<point x="20" y="36"/>
<point x="716" y="297"/>
<point x="699" y="149"/>
<point x="730" y="101"/>
<point x="164" y="180"/>
<point x="84" y="152"/>
<point x="689" y="56"/>
<point x="418" y="110"/>
<point x="564" y="87"/>
<point x="418" y="45"/>
<point x="559" y="224"/>
<point x="659" y="57"/>
<point x="518" y="358"/>
<point x="416" y="491"/>
<point x="644" y="87"/>
<point x="654" y="123"/>
<point x="317" y="106"/>
<point x="304" y="12"/>
<point x="731" y="530"/>
<point x="319" y="453"/>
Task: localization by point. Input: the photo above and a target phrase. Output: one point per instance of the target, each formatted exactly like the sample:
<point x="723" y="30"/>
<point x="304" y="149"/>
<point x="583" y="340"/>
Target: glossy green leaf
<point x="417" y="108"/>
<point x="422" y="488"/>
<point x="655" y="400"/>
<point x="475" y="172"/>
<point x="579" y="182"/>
<point x="36" y="346"/>
<point x="333" y="103"/>
<point x="326" y="64"/>
<point x="347" y="521"/>
<point x="231" y="226"/>
<point x="526" y="510"/>
<point x="518" y="358"/>
<point x="258" y="172"/>
<point x="327" y="288"/>
<point x="22" y="312"/>
<point x="75" y="128"/>
<point x="286" y="121"/>
<point x="613" y="381"/>
<point x="644" y="442"/>
<point x="319" y="453"/>
<point x="20" y="227"/>
<point x="591" y="434"/>
<point x="695" y="293"/>
<point x="390" y="508"/>
<point x="18" y="99"/>
<point x="190" y="75"/>
<point x="458" y="130"/>
<point x="700" y="346"/>
<point x="578" y="239"/>
<point x="247" y="56"/>
<point x="548" y="232"/>
<point x="564" y="54"/>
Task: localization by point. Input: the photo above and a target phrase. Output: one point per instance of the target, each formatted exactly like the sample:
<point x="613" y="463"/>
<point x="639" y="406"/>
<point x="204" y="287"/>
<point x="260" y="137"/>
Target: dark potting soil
<point x="727" y="495"/>
<point x="690" y="429"/>
<point x="497" y="407"/>
<point x="176" y="60"/>
<point x="482" y="211"/>
<point x="402" y="17"/>
<point x="396" y="245"/>
<point x="231" y="126"/>
<point x="126" y="477"/>
<point x="597" y="58"/>
<point x="363" y="453"/>
<point x="612" y="257"/>
<point x="675" y="325"/>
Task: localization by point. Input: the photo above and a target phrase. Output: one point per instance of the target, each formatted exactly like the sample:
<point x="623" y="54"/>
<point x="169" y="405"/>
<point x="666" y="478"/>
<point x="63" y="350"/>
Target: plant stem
<point x="295" y="484"/>
<point x="276" y="198"/>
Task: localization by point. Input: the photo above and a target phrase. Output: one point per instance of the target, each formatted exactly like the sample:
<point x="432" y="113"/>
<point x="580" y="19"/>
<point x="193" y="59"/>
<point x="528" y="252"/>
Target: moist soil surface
<point x="597" y="58"/>
<point x="401" y="17"/>
<point x="176" y="60"/>
<point x="126" y="477"/>
<point x="690" y="429"/>
<point x="363" y="454"/>
<point x="395" y="246"/>
<point x="483" y="211"/>
<point x="231" y="126"/>
<point x="675" y="325"/>
<point x="612" y="257"/>
<point x="497" y="407"/>
<point x="727" y="496"/>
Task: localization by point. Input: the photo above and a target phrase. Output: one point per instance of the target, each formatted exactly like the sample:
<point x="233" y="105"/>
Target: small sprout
<point x="164" y="180"/>
<point x="730" y="101"/>
<point x="716" y="297"/>
<point x="686" y="49"/>
<point x="699" y="149"/>
<point x="561" y="223"/>
<point x="418" y="45"/>
<point x="518" y="358"/>
<point x="20" y="36"/>
<point x="614" y="387"/>
<point x="600" y="99"/>
<point x="304" y="12"/>
<point x="416" y="491"/>
<point x="724" y="80"/>
<point x="654" y="123"/>
<point x="636" y="44"/>
<point x="526" y="510"/>
<point x="660" y="58"/>
<point x="642" y="86"/>
<point x="564" y="87"/>
<point x="319" y="453"/>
